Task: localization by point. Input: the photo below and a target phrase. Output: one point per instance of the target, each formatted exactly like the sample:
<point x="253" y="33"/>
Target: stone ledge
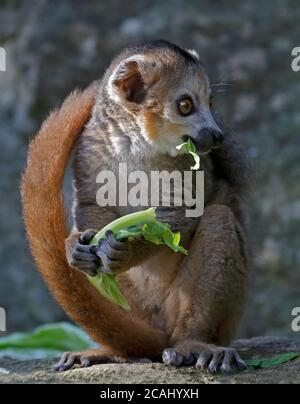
<point x="37" y="371"/>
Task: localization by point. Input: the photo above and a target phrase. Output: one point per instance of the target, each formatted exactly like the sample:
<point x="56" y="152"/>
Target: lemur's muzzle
<point x="208" y="139"/>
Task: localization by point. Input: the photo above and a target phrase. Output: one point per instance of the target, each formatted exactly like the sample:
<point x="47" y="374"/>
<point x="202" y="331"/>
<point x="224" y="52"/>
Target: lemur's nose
<point x="208" y="138"/>
<point x="212" y="136"/>
<point x="218" y="137"/>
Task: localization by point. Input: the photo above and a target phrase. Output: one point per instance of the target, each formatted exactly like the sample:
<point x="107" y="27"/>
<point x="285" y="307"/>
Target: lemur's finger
<point x="83" y="256"/>
<point x="114" y="254"/>
<point x="239" y="361"/>
<point x="115" y="244"/>
<point x="89" y="268"/>
<point x="85" y="362"/>
<point x="216" y="361"/>
<point x="226" y="366"/>
<point x="67" y="361"/>
<point x="107" y="264"/>
<point x="87" y="236"/>
<point x="83" y="248"/>
<point x="203" y="360"/>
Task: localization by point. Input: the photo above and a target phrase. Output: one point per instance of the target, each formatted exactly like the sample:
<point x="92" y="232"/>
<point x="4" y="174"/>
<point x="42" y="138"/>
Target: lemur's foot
<point x="224" y="360"/>
<point x="91" y="357"/>
<point x="84" y="359"/>
<point x="209" y="358"/>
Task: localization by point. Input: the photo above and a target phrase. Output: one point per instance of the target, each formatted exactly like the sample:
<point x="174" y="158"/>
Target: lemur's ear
<point x="133" y="77"/>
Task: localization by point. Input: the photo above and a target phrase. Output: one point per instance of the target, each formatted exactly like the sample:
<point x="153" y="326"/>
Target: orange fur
<point x="151" y="125"/>
<point x="45" y="221"/>
<point x="175" y="128"/>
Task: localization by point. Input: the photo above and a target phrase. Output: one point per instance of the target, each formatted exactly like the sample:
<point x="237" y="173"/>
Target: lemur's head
<point x="164" y="93"/>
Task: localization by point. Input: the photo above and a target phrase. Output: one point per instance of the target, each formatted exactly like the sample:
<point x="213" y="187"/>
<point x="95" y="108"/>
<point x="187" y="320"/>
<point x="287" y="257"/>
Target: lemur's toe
<point x="171" y="357"/>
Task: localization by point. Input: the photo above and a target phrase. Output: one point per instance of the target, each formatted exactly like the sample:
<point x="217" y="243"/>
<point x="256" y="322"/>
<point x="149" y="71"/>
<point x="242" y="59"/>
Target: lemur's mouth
<point x="206" y="141"/>
<point x="202" y="149"/>
<point x="185" y="138"/>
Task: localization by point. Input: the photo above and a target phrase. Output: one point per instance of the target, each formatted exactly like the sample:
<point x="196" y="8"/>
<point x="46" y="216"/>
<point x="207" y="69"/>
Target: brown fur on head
<point x="142" y="94"/>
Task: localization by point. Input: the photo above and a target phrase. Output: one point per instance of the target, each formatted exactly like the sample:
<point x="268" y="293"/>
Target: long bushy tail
<point x="45" y="220"/>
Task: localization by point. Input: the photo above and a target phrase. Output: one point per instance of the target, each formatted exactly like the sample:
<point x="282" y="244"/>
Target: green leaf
<point x="141" y="224"/>
<point x="45" y="342"/>
<point x="270" y="362"/>
<point x="126" y="222"/>
<point x="108" y="286"/>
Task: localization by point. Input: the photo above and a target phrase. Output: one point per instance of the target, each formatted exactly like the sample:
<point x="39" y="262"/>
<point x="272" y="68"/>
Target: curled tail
<point x="45" y="221"/>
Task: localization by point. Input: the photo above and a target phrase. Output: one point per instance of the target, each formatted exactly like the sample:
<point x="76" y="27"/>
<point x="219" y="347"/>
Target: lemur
<point x="185" y="309"/>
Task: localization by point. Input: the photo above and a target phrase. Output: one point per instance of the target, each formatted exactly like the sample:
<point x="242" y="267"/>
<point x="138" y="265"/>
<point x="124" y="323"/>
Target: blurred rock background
<point x="54" y="46"/>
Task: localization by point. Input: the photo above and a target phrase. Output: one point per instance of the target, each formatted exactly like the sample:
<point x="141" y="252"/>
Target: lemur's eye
<point x="185" y="106"/>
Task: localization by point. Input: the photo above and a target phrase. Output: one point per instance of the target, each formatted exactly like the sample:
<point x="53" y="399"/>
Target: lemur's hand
<point x="109" y="256"/>
<point x="115" y="255"/>
<point x="80" y="254"/>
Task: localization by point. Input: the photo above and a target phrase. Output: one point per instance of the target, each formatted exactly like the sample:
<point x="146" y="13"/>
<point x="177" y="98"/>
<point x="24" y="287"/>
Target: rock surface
<point x="37" y="371"/>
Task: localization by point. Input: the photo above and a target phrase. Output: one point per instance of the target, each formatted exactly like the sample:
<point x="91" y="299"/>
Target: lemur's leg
<point x="211" y="287"/>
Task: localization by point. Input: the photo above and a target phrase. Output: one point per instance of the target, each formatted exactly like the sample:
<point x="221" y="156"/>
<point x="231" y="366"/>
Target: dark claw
<point x="171" y="357"/>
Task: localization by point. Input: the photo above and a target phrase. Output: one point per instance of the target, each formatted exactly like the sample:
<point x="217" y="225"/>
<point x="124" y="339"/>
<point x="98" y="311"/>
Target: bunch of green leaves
<point x="267" y="363"/>
<point x="140" y="224"/>
<point x="47" y="341"/>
